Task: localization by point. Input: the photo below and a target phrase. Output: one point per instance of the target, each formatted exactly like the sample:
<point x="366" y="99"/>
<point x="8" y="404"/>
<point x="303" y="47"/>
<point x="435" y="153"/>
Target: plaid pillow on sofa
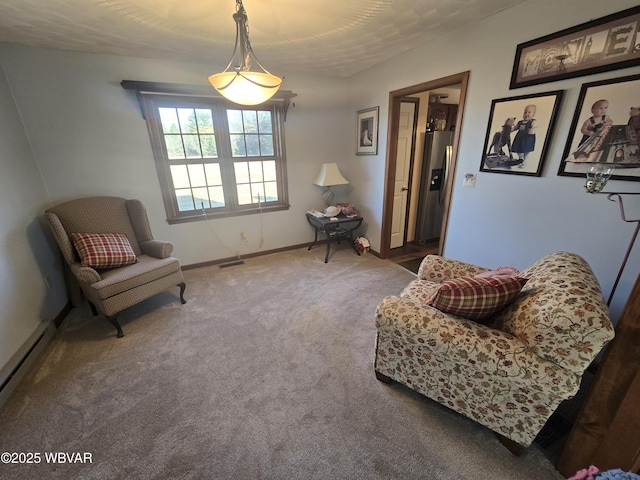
<point x="476" y="298"/>
<point x="103" y="250"/>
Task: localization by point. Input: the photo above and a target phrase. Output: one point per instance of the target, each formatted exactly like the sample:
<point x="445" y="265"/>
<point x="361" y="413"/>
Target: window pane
<point x="234" y="118"/>
<point x="201" y="197"/>
<point x="253" y="147"/>
<point x="169" y="120"/>
<point x="209" y="148"/>
<point x="255" y="171"/>
<point x="269" y="169"/>
<point x="244" y="194"/>
<point x="257" y="190"/>
<point x="192" y="146"/>
<point x="264" y="122"/>
<point x="237" y="146"/>
<point x="242" y="172"/>
<point x="196" y="175"/>
<point x="179" y="176"/>
<point x="205" y="121"/>
<point x="250" y="121"/>
<point x="216" y="194"/>
<point x="185" y="200"/>
<point x="174" y="146"/>
<point x="271" y="191"/>
<point x="213" y="174"/>
<point x="187" y="120"/>
<point x="266" y="145"/>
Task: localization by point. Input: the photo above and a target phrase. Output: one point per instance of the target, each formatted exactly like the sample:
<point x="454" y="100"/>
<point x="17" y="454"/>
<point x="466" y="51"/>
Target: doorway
<point x="396" y="99"/>
<point x="405" y="160"/>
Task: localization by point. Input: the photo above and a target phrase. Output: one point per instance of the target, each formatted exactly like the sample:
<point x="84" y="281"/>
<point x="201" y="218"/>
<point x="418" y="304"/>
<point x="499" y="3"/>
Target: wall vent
<point x="232" y="264"/>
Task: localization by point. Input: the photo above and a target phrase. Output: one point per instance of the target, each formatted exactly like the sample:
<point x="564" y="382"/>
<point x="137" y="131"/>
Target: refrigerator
<point x="436" y="159"/>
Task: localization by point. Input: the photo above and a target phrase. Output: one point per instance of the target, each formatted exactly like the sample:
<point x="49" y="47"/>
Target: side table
<point x="342" y="226"/>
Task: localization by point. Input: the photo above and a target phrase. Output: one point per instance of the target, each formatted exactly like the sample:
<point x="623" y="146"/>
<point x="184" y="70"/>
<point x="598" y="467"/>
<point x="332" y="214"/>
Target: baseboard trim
<point x="20" y="364"/>
<point x="246" y="255"/>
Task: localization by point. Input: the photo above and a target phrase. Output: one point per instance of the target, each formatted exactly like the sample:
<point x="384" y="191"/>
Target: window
<point x="215" y="158"/>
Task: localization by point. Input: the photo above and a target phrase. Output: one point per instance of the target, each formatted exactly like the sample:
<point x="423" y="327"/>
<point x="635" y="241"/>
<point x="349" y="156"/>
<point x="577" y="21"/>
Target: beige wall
<point x="25" y="254"/>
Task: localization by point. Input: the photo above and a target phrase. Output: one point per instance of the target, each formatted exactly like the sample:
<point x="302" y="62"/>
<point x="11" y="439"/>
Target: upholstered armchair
<point x="110" y="250"/>
<point x="508" y="369"/>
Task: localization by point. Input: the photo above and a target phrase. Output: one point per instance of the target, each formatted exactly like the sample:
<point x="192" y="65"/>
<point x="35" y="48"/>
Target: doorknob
<point x="404" y="189"/>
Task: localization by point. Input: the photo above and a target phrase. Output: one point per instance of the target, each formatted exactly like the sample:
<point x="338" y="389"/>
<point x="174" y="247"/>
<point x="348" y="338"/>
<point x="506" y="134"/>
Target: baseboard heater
<point x="20" y="364"/>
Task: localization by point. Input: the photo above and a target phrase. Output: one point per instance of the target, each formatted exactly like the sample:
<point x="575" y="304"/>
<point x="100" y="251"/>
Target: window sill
<point x="236" y="213"/>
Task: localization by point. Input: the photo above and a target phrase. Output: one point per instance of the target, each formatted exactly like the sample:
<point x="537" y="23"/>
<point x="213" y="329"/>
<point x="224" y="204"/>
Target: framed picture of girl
<point x="518" y="133"/>
<point x="608" y="113"/>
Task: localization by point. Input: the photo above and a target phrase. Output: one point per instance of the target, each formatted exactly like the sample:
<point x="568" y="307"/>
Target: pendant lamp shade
<point x="238" y="82"/>
<point x="246" y="88"/>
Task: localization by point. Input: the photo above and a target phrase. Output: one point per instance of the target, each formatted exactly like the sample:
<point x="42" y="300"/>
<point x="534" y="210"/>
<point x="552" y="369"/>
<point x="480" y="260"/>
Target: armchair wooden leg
<point x="182" y="286"/>
<point x="383" y="378"/>
<point x="114" y="322"/>
<point x="510" y="445"/>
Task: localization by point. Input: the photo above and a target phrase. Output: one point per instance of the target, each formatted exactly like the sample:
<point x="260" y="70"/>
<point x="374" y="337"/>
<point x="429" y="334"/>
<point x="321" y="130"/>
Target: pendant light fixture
<point x="238" y="82"/>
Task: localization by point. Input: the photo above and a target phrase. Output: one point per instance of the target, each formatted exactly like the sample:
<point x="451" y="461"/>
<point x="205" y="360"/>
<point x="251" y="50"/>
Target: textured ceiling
<point x="332" y="37"/>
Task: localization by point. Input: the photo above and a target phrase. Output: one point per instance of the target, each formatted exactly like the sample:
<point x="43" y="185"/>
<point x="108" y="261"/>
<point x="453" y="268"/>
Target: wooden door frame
<point x="395" y="98"/>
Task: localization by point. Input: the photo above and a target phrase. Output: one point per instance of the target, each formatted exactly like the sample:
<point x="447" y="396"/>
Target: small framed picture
<point x="367" y="131"/>
<point x="518" y="133"/>
<point x="611" y="105"/>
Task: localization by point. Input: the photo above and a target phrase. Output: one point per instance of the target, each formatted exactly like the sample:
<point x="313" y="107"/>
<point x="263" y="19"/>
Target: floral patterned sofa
<point x="510" y="372"/>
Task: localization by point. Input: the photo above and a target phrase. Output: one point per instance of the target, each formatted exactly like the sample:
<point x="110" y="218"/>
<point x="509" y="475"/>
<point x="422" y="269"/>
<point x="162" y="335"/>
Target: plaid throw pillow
<point x="103" y="250"/>
<point x="476" y="298"/>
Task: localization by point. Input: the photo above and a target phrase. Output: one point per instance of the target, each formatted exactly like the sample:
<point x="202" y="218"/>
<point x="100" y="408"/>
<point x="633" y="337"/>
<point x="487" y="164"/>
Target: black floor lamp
<point x="610" y="147"/>
<point x="617" y="196"/>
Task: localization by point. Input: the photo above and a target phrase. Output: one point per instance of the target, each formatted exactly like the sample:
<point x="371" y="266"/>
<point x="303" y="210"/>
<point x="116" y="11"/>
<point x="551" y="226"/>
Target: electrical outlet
<point x="243" y="237"/>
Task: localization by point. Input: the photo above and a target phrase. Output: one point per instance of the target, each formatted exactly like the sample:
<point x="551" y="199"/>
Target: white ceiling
<point x="332" y="37"/>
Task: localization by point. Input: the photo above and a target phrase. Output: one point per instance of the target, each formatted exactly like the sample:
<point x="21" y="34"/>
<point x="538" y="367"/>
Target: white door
<point x="403" y="165"/>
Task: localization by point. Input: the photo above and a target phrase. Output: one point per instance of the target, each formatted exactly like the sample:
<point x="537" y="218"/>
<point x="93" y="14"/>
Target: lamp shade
<point x="611" y="144"/>
<point x="610" y="147"/>
<point x="246" y="87"/>
<point x="330" y="175"/>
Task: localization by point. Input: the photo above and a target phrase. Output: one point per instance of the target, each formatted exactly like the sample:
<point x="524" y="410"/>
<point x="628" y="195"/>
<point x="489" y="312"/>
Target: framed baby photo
<point x="605" y="128"/>
<point x="518" y="133"/>
<point x="367" y="131"/>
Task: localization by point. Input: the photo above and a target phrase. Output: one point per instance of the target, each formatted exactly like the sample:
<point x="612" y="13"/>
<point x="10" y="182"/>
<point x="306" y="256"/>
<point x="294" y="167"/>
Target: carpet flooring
<point x="265" y="373"/>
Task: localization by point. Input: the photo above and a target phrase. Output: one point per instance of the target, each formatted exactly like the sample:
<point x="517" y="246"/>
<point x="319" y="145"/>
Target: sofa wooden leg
<point x="510" y="445"/>
<point x="112" y="319"/>
<point x="182" y="286"/>
<point x="383" y="378"/>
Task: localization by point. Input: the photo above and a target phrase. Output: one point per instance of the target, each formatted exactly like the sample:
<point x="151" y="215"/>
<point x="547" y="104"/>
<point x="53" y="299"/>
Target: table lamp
<point x="329" y="175"/>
